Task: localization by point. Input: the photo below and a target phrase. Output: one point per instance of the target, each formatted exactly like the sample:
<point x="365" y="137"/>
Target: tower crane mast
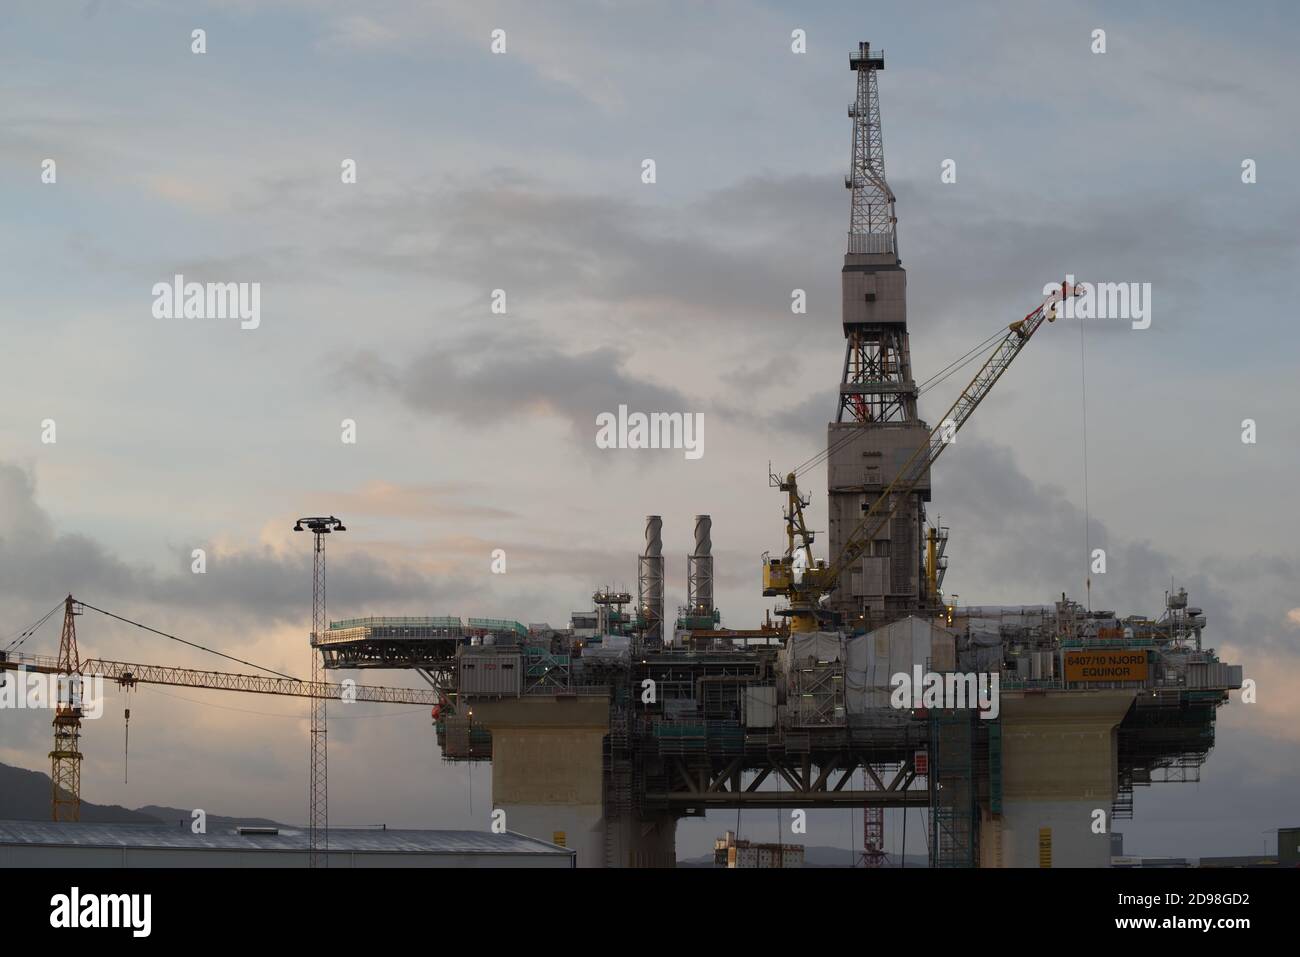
<point x="65" y="757"/>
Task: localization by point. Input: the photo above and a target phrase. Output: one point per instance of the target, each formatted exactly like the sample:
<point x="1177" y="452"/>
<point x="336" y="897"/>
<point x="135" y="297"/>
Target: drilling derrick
<point x="876" y="429"/>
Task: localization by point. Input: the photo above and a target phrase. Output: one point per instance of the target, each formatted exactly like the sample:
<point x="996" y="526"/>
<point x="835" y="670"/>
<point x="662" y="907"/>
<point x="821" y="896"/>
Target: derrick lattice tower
<point x="876" y="428"/>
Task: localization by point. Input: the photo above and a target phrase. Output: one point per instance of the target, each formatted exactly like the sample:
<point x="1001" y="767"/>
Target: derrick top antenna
<point x="873" y="227"/>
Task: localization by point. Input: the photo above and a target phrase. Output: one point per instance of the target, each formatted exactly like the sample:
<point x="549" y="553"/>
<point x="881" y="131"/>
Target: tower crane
<point x="72" y="670"/>
<point x="805" y="582"/>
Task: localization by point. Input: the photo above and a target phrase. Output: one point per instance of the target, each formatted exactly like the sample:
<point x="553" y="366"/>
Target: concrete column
<point x="1059" y="765"/>
<point x="548" y="777"/>
<point x="547" y="772"/>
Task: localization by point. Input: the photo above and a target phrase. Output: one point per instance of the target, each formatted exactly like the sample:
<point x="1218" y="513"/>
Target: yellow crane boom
<point x="819" y="579"/>
<point x="128" y="674"/>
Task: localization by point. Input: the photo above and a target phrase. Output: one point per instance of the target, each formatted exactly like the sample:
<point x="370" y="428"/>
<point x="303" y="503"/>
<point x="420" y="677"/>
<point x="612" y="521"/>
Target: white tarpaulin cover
<point x="874" y="658"/>
<point x="819" y="645"/>
<point x="871" y="660"/>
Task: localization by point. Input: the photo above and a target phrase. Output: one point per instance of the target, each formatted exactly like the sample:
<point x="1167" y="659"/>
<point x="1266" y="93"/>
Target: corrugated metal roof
<point x="360" y="840"/>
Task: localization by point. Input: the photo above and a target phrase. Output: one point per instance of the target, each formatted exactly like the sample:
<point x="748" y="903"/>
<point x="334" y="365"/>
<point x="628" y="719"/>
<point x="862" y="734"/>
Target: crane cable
<point x="939" y="377"/>
<point x="277" y="714"/>
<point x="31" y="630"/>
<point x="126" y="741"/>
<point x="959" y="363"/>
<point x="1083" y="405"/>
<point x="212" y="651"/>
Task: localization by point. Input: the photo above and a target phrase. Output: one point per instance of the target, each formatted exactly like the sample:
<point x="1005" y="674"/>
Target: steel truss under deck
<point x="809" y="780"/>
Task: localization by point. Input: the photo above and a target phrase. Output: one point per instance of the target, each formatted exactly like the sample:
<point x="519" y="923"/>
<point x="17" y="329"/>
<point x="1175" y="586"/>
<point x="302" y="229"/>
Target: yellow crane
<point x="65" y="772"/>
<point x="803" y="581"/>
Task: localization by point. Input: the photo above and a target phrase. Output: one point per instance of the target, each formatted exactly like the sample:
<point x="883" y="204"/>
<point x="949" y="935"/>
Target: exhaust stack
<point x="650" y="581"/>
<point x="699" y="570"/>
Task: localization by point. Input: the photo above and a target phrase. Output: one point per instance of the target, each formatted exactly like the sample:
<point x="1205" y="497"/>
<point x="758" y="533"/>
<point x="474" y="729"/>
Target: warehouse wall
<point x="12" y="855"/>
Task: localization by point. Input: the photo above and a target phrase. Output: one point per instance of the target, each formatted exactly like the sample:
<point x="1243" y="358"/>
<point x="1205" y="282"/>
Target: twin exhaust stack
<point x="650" y="576"/>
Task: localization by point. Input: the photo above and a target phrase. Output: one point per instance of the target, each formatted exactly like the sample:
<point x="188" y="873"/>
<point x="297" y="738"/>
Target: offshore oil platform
<point x="605" y="732"/>
<point x="1021" y="731"/>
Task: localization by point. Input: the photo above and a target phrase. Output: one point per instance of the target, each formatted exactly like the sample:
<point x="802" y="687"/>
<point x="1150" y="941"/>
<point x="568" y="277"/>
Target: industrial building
<point x="732" y="853"/>
<point x="75" y="845"/>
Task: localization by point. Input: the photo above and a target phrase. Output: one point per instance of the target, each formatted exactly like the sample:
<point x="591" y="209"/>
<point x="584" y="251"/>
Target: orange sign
<point x="1105" y="666"/>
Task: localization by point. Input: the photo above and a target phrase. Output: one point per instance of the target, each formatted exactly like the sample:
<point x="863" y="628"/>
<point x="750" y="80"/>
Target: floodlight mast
<point x="318" y="814"/>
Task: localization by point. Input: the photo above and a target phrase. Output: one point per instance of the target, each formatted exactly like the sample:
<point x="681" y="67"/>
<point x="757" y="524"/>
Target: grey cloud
<point x="248" y="590"/>
<point x="731" y="258"/>
<point x="734" y="254"/>
<point x="988" y="254"/>
<point x="556" y="246"/>
<point x="487" y="377"/>
<point x="484" y="378"/>
<point x="1019" y="536"/>
<point x="807" y="418"/>
<point x="1017" y="540"/>
<point x="778" y="369"/>
<point x="254" y="585"/>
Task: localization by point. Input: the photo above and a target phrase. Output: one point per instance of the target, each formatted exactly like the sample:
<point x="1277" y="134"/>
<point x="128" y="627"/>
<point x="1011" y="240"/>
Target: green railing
<point x="383" y="621"/>
<point x="1110" y="644"/>
<point x="497" y="624"/>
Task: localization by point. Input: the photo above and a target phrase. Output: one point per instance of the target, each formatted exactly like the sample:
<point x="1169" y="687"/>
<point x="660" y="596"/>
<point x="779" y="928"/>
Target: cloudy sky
<point x="475" y="431"/>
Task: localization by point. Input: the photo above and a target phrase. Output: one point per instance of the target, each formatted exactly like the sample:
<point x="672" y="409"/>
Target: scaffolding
<point x="873" y="826"/>
<point x="816" y="693"/>
<point x="954" y="813"/>
<point x="1166" y="737"/>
